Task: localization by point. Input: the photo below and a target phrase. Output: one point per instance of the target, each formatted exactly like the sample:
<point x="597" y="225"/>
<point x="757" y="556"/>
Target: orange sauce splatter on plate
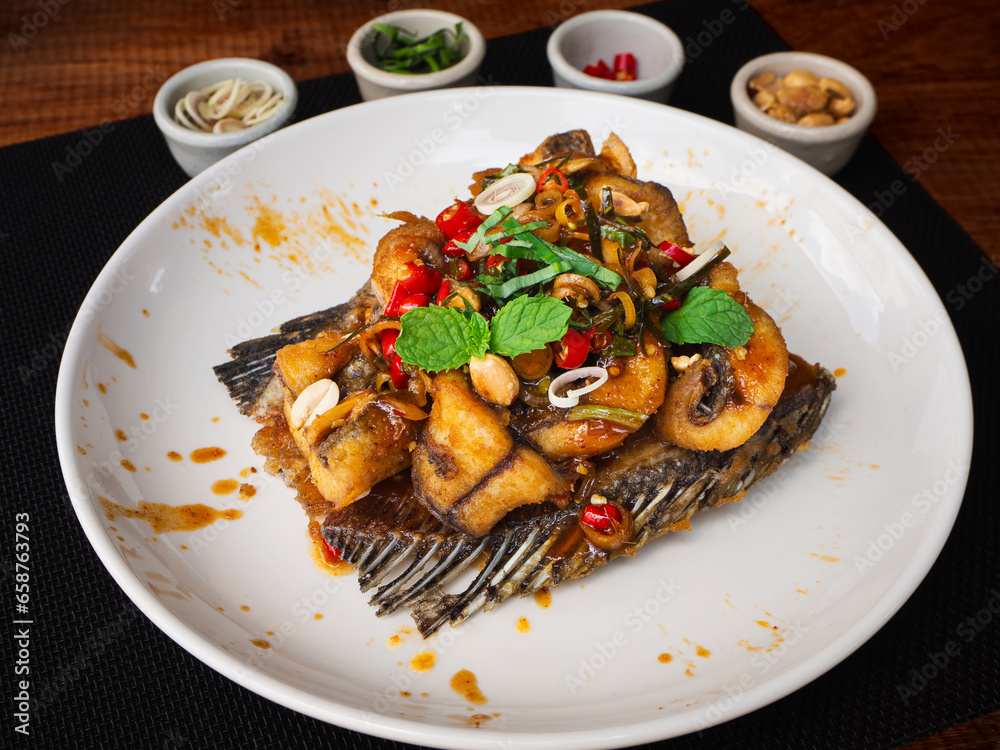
<point x="465" y="684"/>
<point x="204" y="455"/>
<point x="104" y="340"/>
<point x="163" y="518"/>
<point x="423" y="662"/>
<point x="543" y="598"/>
<point x="225" y="486"/>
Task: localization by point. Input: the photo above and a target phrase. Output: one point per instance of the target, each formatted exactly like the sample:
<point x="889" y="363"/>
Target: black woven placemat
<point x="102" y="675"/>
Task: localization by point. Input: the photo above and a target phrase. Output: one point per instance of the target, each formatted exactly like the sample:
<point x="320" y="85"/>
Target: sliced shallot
<point x="572" y="397"/>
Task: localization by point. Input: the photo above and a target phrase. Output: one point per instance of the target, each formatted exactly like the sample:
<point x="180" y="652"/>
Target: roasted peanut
<point x="761" y="82"/>
<point x="801" y="97"/>
<point x="815" y="120"/>
<point x="799" y="78"/>
<point x="763" y="99"/>
<point x="780" y="112"/>
<point x="841" y="106"/>
<point x="494" y="379"/>
<point x="835" y="87"/>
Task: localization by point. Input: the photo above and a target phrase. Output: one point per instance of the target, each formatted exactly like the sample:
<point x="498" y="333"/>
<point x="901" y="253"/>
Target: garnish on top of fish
<point x="547" y="375"/>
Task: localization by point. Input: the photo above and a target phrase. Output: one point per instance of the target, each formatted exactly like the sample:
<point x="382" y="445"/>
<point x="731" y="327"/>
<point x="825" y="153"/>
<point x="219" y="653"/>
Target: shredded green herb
<point x="400" y="51"/>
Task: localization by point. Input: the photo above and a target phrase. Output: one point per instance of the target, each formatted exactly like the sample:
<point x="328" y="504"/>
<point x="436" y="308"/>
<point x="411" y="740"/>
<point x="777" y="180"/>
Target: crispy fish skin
<point x="342" y="465"/>
<point x="249" y="375"/>
<point x="570" y="142"/>
<point x="662" y="221"/>
<point x="539" y="546"/>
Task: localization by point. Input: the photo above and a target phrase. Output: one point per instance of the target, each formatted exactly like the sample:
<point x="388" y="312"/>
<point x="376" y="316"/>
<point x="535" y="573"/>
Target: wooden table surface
<point x="934" y="65"/>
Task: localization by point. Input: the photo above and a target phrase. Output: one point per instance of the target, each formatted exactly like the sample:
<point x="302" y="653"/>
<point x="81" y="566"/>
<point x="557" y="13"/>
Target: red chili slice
<point x="331" y="555"/>
<point x="677" y="254"/>
<point x="392" y="306"/>
<point x="601" y="517"/>
<point x="573" y="349"/>
<point x="457" y="217"/>
<point x="625" y="67"/>
<point x="451" y="249"/>
<point x="464" y="272"/>
<point x="420" y="279"/>
<point x="388" y="338"/>
<point x="399" y="378"/>
<point x="601" y="70"/>
<point x="413" y="301"/>
<point x="556" y="178"/>
<point x="443" y="293"/>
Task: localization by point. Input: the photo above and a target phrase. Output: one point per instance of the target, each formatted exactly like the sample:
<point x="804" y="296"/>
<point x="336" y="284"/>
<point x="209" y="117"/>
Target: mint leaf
<point x="708" y="316"/>
<point x="528" y="323"/>
<point x="479" y="334"/>
<point x="440" y="338"/>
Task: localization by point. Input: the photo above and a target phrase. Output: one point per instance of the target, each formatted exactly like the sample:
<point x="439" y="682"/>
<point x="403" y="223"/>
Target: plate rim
<point x="810" y="668"/>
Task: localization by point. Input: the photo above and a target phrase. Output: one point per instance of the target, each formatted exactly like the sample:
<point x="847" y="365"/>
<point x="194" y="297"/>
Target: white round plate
<point x="761" y="597"/>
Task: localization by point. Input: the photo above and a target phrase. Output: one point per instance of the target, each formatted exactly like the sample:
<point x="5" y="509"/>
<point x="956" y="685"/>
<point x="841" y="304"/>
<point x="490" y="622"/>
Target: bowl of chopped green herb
<point x="414" y="50"/>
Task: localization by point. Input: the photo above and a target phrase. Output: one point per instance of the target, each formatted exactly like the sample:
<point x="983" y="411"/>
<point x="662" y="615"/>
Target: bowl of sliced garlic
<point x="211" y="109"/>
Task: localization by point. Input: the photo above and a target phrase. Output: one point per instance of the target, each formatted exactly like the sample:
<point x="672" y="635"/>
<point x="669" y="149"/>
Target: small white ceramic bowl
<point x="376" y="83"/>
<point x="602" y="34"/>
<point x="197" y="151"/>
<point x="826" y="148"/>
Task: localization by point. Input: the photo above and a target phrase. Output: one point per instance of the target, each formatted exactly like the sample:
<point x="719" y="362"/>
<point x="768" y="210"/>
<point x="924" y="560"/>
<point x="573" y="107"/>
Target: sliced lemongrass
<point x="572" y="397"/>
<point x="209" y="90"/>
<point x="700" y="261"/>
<point x="264" y="111"/>
<point x="180" y="114"/>
<point x="222" y="101"/>
<point x="192" y="104"/>
<point x="258" y="92"/>
<point x="508" y="191"/>
<point x="228" y="125"/>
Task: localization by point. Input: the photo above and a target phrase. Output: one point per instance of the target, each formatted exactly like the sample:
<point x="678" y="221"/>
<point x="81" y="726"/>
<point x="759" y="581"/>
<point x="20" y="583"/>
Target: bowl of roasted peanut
<point x="815" y="107"/>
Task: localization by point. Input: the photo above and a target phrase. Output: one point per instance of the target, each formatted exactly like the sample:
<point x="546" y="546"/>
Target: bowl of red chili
<point x="617" y="52"/>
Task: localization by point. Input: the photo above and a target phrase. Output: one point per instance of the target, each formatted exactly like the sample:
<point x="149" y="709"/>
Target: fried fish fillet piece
<point x="467" y="468"/>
